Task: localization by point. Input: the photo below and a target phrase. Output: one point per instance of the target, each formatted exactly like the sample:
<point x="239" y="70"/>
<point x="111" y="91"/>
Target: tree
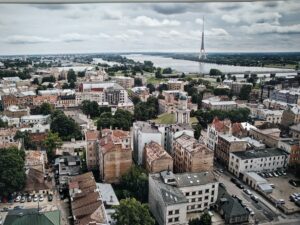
<point x="218" y="80"/>
<point x="245" y="92"/>
<point x="135" y="99"/>
<point x="26" y="140"/>
<point x="90" y="108"/>
<point x="146" y="110"/>
<point x="12" y="173"/>
<point x="81" y="74"/>
<point x="105" y="120"/>
<point x="221" y="91"/>
<point x="46" y="108"/>
<point x="205" y="219"/>
<point x="197" y="132"/>
<point x="50" y="79"/>
<point x="122" y="119"/>
<point x="151" y="88"/>
<point x="234" y="78"/>
<point x="167" y="70"/>
<point x="35" y="81"/>
<point x="71" y="76"/>
<point x="52" y="142"/>
<point x="134" y="184"/>
<point x="138" y="82"/>
<point x="65" y="126"/>
<point x="3" y="124"/>
<point x="215" y="72"/>
<point x="162" y="87"/>
<point x="158" y="73"/>
<point x="132" y="212"/>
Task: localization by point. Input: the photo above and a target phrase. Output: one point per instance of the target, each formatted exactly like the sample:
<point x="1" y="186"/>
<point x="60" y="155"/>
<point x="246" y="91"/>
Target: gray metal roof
<point x="271" y="152"/>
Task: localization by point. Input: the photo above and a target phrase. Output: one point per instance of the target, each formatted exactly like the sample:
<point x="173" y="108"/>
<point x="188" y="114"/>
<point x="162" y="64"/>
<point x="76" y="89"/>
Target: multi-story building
<point x="295" y="131"/>
<point x="290" y="116"/>
<point x="115" y="155"/>
<point x="271" y="116"/>
<point x="156" y="158"/>
<point x="236" y="86"/>
<point x="40" y="99"/>
<point x="141" y="92"/>
<point x="182" y="113"/>
<point x="270" y="137"/>
<point x="214" y="129"/>
<point x="16" y="112"/>
<point x="22" y="99"/>
<point x="90" y="96"/>
<point x="226" y="145"/>
<point x="291" y="96"/>
<point x="173" y="197"/>
<point x="7" y="138"/>
<point x="174" y="84"/>
<point x="257" y="161"/>
<point x="87" y="205"/>
<point x="219" y="105"/>
<point x="66" y="101"/>
<point x="191" y="156"/>
<point x="293" y="148"/>
<point x="143" y="133"/>
<point x="92" y="138"/>
<point x="35" y="119"/>
<point x="125" y="82"/>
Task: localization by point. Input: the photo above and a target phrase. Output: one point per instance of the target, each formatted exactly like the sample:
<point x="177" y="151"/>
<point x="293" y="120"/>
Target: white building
<point x="143" y="133"/>
<point x="172" y="197"/>
<point x="257" y="161"/>
<point x="271" y="116"/>
<point x="37" y="128"/>
<point x="98" y="97"/>
<point x="35" y="119"/>
<point x="11" y="121"/>
<point x="219" y="105"/>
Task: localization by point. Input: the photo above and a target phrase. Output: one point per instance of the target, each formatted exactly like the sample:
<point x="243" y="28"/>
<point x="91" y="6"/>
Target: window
<point x="206" y="190"/>
<point x="170" y="220"/>
<point x="194" y="193"/>
<point x="200" y="192"/>
<point x="176" y="219"/>
<point x="206" y="197"/>
<point x="212" y="192"/>
<point x="177" y="211"/>
<point x="170" y="212"/>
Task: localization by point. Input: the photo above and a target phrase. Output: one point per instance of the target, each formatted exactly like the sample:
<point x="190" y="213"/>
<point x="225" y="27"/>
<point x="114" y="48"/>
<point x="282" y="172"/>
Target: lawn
<point x="167" y="118"/>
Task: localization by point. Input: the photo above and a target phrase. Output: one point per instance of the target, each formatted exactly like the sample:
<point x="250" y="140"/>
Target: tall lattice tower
<point x="202" y="54"/>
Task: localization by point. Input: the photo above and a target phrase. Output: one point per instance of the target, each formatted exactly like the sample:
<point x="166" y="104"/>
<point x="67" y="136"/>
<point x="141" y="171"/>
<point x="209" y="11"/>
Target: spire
<point x="202" y="54"/>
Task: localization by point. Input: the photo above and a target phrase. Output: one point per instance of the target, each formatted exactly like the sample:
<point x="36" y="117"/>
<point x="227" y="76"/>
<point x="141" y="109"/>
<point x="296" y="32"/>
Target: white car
<point x="248" y="192"/>
<point x="41" y="198"/>
<point x="18" y="198"/>
<point x="35" y="198"/>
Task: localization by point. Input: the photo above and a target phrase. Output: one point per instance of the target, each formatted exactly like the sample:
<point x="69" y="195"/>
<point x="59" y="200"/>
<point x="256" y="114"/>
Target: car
<point x="222" y="185"/>
<point x="18" y="198"/>
<point x="270" y="174"/>
<point x="254" y="198"/>
<point x="50" y="197"/>
<point x="233" y="180"/>
<point x="280" y="201"/>
<point x="29" y="198"/>
<point x="275" y="174"/>
<point x="23" y="199"/>
<point x="279" y="173"/>
<point x="248" y="192"/>
<point x="41" y="198"/>
<point x="35" y="198"/>
<point x="294" y="183"/>
<point x="239" y="185"/>
<point x="266" y="175"/>
<point x="221" y="170"/>
<point x="262" y="175"/>
<point x="18" y="207"/>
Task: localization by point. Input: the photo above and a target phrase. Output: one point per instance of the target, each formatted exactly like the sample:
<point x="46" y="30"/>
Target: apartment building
<point x="291" y="96"/>
<point x="236" y="86"/>
<point x="125" y="82"/>
<point x="257" y="161"/>
<point x="219" y="105"/>
<point x="290" y="116"/>
<point x="115" y="155"/>
<point x="16" y="112"/>
<point x="271" y="116"/>
<point x="35" y="119"/>
<point x="89" y="96"/>
<point x="191" y="156"/>
<point x="292" y="147"/>
<point x="7" y="138"/>
<point x="174" y="84"/>
<point x="226" y="145"/>
<point x="141" y="92"/>
<point x="295" y="131"/>
<point x="92" y="137"/>
<point x="172" y="197"/>
<point x="22" y="99"/>
<point x="143" y="133"/>
<point x="214" y="129"/>
<point x="270" y="137"/>
<point x="156" y="158"/>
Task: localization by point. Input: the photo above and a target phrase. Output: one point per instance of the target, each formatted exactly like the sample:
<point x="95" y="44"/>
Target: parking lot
<point x="283" y="189"/>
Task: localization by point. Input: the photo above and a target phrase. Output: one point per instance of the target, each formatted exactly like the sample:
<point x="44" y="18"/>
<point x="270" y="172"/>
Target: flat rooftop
<point x="252" y="154"/>
<point x="194" y="179"/>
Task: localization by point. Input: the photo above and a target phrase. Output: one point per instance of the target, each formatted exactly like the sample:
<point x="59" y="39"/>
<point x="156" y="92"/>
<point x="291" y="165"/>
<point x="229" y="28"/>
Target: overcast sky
<point x="91" y="28"/>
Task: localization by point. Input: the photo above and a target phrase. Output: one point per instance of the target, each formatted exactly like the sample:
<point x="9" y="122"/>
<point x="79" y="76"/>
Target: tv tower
<point x="202" y="54"/>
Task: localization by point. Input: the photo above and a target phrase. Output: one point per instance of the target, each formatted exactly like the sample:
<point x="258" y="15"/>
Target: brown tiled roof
<point x="92" y="135"/>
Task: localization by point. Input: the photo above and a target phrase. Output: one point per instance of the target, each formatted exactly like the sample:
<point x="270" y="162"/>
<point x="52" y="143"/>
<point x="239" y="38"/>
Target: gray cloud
<point x="169" y="9"/>
<point x="50" y="6"/>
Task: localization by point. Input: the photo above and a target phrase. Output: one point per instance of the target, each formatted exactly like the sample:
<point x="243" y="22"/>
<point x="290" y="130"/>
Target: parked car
<point x="254" y="198"/>
<point x="233" y="180"/>
<point x="294" y="183"/>
<point x="29" y="198"/>
<point x="279" y="173"/>
<point x="248" y="192"/>
<point x="275" y="174"/>
<point x="239" y="185"/>
<point x="23" y="199"/>
<point x="18" y="198"/>
<point x="280" y="201"/>
<point x="222" y="185"/>
<point x="35" y="198"/>
<point x="41" y="198"/>
<point x="50" y="197"/>
<point x="270" y="174"/>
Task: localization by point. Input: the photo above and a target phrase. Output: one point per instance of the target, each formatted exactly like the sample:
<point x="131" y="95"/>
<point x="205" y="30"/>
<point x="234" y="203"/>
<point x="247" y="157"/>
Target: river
<point x="187" y="66"/>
